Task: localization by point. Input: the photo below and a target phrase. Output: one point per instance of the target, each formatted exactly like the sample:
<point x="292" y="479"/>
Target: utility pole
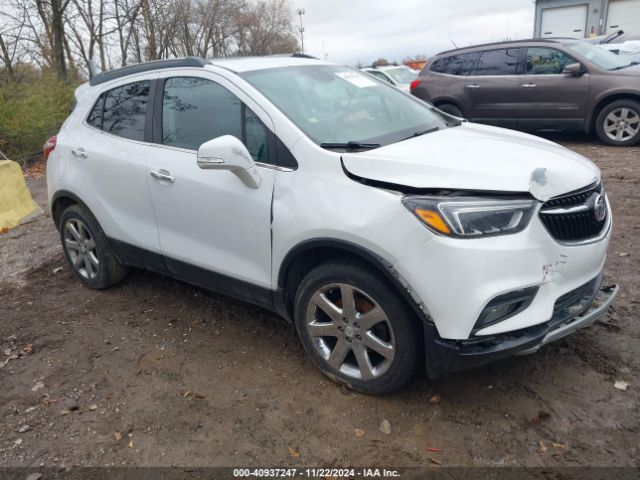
<point x="301" y="29"/>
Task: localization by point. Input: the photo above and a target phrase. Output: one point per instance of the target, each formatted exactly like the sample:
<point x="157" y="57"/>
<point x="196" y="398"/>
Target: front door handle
<point x="474" y="86"/>
<point x="79" y="152"/>
<point x="162" y="175"/>
<point x="528" y="85"/>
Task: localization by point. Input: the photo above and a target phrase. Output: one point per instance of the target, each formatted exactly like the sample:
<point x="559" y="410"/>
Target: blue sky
<point x="349" y="31"/>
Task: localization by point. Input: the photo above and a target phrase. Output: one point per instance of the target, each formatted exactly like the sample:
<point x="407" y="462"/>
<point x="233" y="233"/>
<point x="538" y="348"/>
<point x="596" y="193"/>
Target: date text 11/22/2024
<point x="315" y="472"/>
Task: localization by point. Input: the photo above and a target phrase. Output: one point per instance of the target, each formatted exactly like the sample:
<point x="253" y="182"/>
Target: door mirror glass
<point x="573" y="69"/>
<point x="229" y="153"/>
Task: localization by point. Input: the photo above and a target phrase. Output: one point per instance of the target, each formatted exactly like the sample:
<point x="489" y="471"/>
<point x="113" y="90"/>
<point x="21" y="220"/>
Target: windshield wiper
<point x="351" y="145"/>
<point x="423" y="132"/>
<point x="623" y="66"/>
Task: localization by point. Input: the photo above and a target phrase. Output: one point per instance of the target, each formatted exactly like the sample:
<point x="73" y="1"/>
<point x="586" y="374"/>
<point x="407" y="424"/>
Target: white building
<point x="585" y="18"/>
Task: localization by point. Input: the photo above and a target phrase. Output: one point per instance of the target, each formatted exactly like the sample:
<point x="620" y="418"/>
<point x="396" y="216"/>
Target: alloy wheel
<point x="81" y="248"/>
<point x="350" y="331"/>
<point x="621" y="124"/>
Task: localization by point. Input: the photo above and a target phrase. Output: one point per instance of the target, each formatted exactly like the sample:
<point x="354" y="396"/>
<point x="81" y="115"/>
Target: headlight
<point x="471" y="217"/>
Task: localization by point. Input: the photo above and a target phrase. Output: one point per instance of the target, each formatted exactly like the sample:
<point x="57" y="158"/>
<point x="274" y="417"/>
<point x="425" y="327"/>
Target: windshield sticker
<point x="357" y="79"/>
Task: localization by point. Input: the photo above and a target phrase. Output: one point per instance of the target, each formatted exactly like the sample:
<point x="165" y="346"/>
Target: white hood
<point x="477" y="157"/>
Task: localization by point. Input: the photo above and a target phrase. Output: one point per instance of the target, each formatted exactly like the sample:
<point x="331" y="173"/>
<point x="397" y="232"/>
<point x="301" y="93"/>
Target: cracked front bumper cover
<point x="446" y="356"/>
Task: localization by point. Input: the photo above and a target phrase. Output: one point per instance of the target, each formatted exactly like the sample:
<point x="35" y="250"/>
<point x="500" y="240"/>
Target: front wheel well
<point x="606" y="101"/>
<point x="306" y="257"/>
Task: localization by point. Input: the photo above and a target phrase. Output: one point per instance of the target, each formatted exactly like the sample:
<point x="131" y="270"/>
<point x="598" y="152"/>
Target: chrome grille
<point x="576" y="216"/>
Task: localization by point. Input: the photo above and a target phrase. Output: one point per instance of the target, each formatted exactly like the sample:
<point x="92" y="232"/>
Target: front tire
<point x="87" y="249"/>
<point x="356" y="328"/>
<point x="618" y="123"/>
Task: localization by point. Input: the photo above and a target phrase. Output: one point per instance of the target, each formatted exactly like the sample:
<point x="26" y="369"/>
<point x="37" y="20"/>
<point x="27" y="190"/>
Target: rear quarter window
<point x="458" y="65"/>
<point x="122" y="111"/>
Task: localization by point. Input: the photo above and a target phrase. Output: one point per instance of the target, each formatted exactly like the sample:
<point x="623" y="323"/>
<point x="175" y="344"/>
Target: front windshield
<point x="334" y="104"/>
<point x="598" y="55"/>
<point x="401" y="74"/>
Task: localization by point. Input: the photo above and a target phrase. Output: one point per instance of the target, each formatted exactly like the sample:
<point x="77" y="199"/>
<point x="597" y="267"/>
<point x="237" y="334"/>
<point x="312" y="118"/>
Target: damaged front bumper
<point x="445" y="356"/>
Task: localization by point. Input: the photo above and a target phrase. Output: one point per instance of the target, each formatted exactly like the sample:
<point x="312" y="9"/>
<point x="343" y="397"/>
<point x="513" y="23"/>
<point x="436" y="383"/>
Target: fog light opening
<point x="505" y="306"/>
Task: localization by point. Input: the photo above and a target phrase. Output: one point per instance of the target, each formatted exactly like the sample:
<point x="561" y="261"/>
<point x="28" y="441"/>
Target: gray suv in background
<point x="541" y="84"/>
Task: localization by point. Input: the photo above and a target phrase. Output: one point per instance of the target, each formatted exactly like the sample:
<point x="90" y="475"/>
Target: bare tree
<point x="266" y="29"/>
<point x="6" y="58"/>
<point x="60" y="34"/>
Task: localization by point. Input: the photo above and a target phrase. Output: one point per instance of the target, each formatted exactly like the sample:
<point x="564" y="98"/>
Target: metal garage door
<point x="624" y="15"/>
<point x="564" y="22"/>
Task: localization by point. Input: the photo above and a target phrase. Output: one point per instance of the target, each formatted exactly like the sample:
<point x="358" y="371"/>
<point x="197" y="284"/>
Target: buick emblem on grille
<point x="599" y="208"/>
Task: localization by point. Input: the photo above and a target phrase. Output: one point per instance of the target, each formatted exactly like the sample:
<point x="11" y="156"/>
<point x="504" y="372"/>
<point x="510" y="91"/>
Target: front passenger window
<point x="546" y="61"/>
<point x="196" y="110"/>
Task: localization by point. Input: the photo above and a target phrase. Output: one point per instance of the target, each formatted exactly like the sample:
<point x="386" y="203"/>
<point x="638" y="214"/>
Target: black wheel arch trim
<point x="372" y="258"/>
<point x="436" y="102"/>
<point x="65" y="194"/>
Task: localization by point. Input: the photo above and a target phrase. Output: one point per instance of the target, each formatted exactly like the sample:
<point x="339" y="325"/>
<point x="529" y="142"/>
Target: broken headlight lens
<point x="471" y="217"/>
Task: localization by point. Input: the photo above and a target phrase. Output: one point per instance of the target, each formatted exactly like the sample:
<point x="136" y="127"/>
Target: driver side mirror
<point x="229" y="153"/>
<point x="573" y="70"/>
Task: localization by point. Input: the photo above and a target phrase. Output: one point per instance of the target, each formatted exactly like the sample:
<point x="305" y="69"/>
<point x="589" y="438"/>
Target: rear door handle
<point x="162" y="175"/>
<point x="79" y="152"/>
<point x="473" y="86"/>
<point x="528" y="85"/>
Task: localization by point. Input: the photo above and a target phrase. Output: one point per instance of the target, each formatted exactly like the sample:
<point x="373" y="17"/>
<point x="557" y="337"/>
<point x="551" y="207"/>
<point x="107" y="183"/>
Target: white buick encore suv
<point x="395" y="237"/>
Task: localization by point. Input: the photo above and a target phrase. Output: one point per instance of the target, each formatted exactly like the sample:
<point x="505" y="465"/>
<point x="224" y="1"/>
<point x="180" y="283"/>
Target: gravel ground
<point x="158" y="373"/>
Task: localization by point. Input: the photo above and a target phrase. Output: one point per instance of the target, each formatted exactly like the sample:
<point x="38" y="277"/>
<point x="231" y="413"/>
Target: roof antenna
<point x="454" y="43"/>
<point x="93" y="68"/>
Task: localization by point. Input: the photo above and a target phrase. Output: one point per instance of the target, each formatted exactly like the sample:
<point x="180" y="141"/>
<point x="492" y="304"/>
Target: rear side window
<point x="196" y="110"/>
<point x="459" y="65"/>
<point x="546" y="61"/>
<point x="498" y="62"/>
<point x="440" y="65"/>
<point x="125" y="109"/>
<point x="95" y="117"/>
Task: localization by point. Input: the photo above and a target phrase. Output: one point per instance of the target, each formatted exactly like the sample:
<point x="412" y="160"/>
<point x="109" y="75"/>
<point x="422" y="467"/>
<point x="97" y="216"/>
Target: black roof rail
<point x="506" y="42"/>
<point x="147" y="67"/>
<point x="304" y="55"/>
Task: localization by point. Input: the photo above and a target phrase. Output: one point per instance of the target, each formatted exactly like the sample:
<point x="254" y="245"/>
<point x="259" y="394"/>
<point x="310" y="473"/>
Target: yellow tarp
<point x="16" y="203"/>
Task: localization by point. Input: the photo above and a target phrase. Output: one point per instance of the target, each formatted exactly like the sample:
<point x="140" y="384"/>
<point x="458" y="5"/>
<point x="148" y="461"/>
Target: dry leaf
<point x="37" y="386"/>
<point x="117" y="436"/>
<point x="541" y="447"/>
<point x="294" y="452"/>
<point x="192" y="394"/>
<point x="541" y="415"/>
<point x="28" y="349"/>
<point x="130" y="444"/>
<point x="65" y="412"/>
<point x="557" y="445"/>
<point x="359" y="433"/>
<point x="621" y="385"/>
<point x="385" y="426"/>
<point x="434" y="461"/>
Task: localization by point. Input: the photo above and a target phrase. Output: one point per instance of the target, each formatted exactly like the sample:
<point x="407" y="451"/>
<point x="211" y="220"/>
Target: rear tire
<point x="451" y="109"/>
<point x="618" y="123"/>
<point x="87" y="249"/>
<point x="356" y="328"/>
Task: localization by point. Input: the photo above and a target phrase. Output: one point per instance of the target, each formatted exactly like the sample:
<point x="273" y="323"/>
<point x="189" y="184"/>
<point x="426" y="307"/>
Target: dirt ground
<point x="158" y="373"/>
